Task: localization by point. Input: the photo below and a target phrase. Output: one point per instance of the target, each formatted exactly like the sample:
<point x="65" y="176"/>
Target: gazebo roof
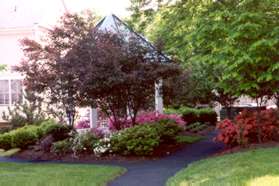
<point x="113" y="24"/>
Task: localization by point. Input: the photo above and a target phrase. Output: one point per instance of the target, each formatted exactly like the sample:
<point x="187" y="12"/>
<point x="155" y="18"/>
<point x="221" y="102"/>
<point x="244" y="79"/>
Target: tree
<point x="193" y="87"/>
<point x="46" y="68"/>
<point x="80" y="66"/>
<point x="120" y="74"/>
<point x="245" y="41"/>
<point x="173" y="23"/>
<point x="143" y="12"/>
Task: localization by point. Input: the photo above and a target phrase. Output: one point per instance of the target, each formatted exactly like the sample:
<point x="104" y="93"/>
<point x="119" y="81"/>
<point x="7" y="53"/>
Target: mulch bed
<point x="163" y="150"/>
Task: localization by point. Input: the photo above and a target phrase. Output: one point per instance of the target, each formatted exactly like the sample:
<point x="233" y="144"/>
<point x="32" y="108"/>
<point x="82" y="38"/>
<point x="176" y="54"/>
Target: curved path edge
<point x="153" y="172"/>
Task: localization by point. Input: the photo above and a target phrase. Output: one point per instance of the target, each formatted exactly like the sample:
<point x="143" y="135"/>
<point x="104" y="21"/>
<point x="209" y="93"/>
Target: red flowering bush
<point x="150" y="117"/>
<point x="249" y="127"/>
<point x="227" y="132"/>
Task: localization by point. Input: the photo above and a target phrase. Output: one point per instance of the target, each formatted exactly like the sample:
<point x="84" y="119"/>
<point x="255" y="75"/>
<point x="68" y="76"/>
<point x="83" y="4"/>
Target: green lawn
<point x="252" y="168"/>
<point x="27" y="174"/>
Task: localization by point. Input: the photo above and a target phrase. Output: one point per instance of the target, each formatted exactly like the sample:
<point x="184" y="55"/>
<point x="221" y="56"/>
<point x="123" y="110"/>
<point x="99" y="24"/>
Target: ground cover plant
<point x="254" y="167"/>
<point x="34" y="174"/>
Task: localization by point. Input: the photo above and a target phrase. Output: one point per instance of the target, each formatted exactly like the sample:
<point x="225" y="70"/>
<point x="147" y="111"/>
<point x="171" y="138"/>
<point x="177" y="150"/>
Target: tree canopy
<point x="81" y="66"/>
<point x="238" y="38"/>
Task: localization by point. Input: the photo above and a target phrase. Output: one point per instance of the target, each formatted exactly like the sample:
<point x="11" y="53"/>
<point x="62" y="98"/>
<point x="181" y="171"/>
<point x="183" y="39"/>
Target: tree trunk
<point x="258" y="122"/>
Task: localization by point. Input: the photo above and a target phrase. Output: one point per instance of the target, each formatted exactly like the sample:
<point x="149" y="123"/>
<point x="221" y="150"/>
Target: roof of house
<point x="113" y="24"/>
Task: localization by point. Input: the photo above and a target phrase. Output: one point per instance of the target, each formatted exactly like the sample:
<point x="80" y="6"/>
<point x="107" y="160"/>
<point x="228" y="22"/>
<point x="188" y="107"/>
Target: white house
<point x="17" y="21"/>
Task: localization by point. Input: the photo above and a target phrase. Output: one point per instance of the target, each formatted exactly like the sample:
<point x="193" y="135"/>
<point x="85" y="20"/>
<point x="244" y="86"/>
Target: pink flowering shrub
<point x="83" y="124"/>
<point x="150" y="117"/>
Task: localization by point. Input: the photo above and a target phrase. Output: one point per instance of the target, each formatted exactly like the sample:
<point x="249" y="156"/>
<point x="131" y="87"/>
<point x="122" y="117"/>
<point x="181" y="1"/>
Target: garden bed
<point x="164" y="149"/>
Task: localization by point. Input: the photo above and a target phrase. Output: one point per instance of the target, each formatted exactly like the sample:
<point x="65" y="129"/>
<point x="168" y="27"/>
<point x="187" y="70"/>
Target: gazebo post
<point x="159" y="96"/>
<point x="93" y="117"/>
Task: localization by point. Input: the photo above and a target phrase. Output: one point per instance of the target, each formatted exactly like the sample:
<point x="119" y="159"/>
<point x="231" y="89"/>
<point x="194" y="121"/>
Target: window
<point x="14" y="92"/>
<point x="4" y="92"/>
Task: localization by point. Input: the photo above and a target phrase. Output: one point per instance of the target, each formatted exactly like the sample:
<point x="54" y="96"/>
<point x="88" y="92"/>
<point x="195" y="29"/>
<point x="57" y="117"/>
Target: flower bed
<point x="153" y="136"/>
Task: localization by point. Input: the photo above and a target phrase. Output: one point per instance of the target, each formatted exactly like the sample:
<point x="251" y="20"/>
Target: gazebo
<point x="113" y="24"/>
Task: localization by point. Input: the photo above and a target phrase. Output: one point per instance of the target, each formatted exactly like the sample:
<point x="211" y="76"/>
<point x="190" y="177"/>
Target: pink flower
<point x="83" y="124"/>
<point x="149" y="117"/>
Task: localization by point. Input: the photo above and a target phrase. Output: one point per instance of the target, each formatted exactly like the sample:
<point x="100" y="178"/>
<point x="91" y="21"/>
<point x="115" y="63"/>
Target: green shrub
<point x="62" y="147"/>
<point x="84" y="142"/>
<point x="188" y="139"/>
<point x="192" y="115"/>
<point x="167" y="129"/>
<point x="25" y="136"/>
<point x="139" y="140"/>
<point x="58" y="131"/>
<point x="5" y="141"/>
<point x="207" y="115"/>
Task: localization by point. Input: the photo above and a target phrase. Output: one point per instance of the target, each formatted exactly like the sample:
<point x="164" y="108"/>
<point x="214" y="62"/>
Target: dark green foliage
<point x="167" y="130"/>
<point x="143" y="139"/>
<point x="58" y="131"/>
<point x="139" y="140"/>
<point x="5" y="141"/>
<point x="62" y="147"/>
<point x="192" y="115"/>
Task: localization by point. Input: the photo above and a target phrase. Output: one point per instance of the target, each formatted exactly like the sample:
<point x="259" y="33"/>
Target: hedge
<point x="192" y="115"/>
<point x="30" y="134"/>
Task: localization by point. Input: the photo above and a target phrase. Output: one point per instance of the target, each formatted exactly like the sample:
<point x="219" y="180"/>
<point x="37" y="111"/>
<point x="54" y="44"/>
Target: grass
<point x="252" y="168"/>
<point x="8" y="153"/>
<point x="188" y="139"/>
<point x="28" y="174"/>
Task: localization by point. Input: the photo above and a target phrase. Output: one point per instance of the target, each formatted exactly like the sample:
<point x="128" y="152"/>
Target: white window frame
<point x="8" y="76"/>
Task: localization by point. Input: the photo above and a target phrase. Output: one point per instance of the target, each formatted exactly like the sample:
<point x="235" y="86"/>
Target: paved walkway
<point x="156" y="172"/>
